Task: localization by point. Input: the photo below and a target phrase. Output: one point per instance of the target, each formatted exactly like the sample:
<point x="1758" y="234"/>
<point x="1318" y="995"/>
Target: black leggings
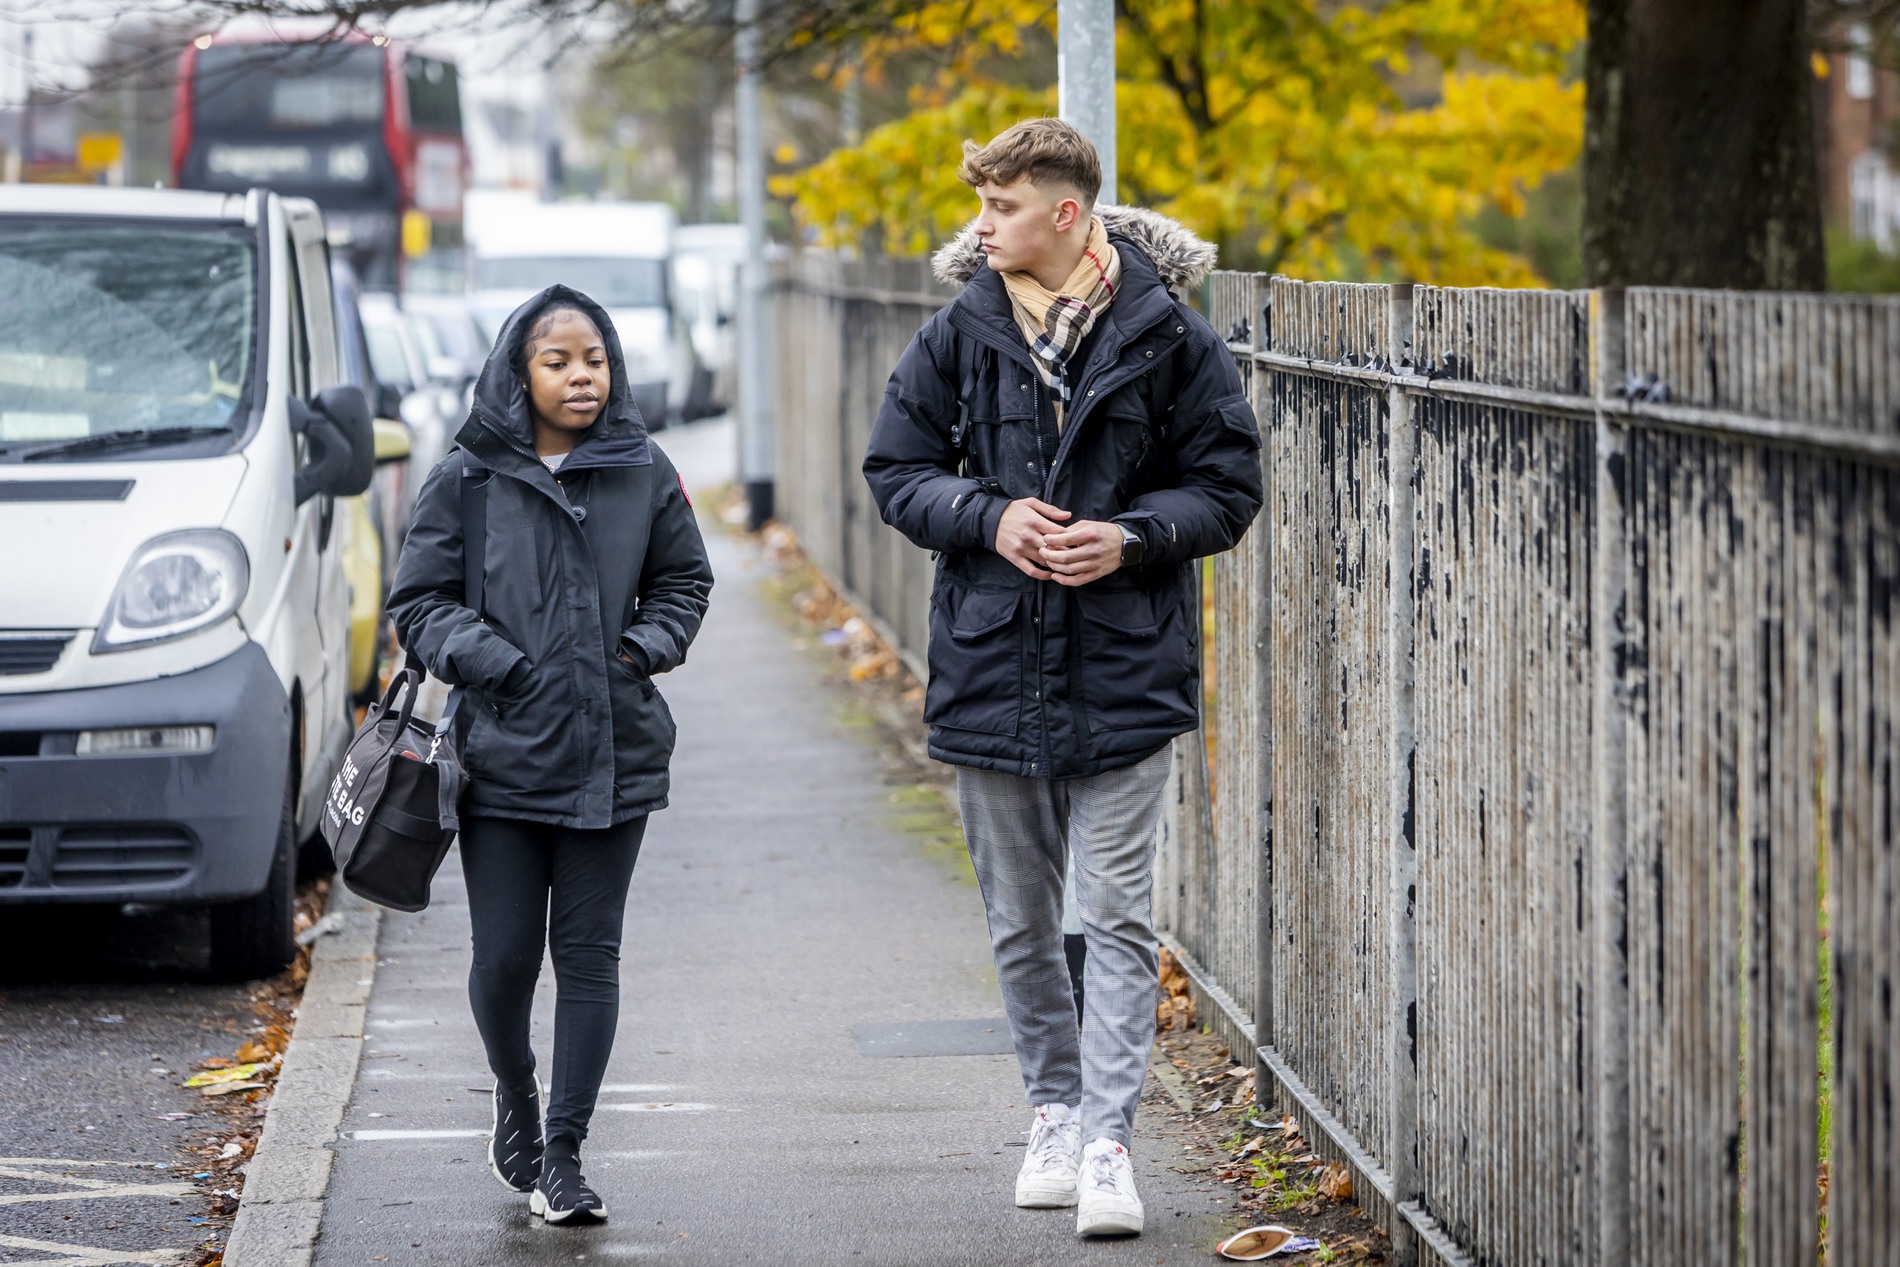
<point x="530" y="883"/>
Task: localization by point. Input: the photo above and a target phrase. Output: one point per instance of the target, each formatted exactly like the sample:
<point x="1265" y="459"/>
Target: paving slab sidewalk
<point x="776" y="905"/>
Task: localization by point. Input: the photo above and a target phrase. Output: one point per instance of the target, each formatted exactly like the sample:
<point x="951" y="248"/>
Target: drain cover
<point x="988" y="1036"/>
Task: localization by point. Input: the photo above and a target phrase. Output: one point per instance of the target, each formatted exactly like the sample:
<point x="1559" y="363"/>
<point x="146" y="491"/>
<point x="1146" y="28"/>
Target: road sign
<point x="100" y="151"/>
<point x="415" y="233"/>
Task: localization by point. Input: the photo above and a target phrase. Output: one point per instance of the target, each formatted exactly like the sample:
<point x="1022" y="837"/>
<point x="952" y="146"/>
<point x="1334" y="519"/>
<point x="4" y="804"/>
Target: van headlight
<point x="177" y="584"/>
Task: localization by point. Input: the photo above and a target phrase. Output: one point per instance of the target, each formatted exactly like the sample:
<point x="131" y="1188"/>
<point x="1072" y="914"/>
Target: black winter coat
<point x="1032" y="677"/>
<point x="603" y="556"/>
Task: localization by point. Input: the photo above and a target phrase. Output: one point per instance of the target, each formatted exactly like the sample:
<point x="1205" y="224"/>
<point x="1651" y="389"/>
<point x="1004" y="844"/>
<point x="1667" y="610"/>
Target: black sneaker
<point x="562" y="1195"/>
<point x="514" y="1139"/>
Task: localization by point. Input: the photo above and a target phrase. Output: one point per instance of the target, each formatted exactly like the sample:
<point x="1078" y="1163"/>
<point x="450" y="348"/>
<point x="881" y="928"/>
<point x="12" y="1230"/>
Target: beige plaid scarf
<point x="1056" y="322"/>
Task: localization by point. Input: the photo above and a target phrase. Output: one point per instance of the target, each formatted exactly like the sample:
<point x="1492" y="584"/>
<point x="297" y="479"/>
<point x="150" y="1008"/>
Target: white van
<point x="619" y="253"/>
<point x="707" y="259"/>
<point x="174" y="614"/>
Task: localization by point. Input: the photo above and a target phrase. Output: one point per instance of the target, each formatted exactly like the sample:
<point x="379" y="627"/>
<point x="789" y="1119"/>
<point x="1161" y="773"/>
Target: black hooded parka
<point x="1031" y="677"/>
<point x="601" y="557"/>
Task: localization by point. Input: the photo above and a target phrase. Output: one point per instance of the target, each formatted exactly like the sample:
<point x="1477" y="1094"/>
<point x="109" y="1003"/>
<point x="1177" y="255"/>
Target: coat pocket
<point x="976" y="662"/>
<point x="524" y="745"/>
<point x="1136" y="660"/>
<point x="644" y="731"/>
<point x="1237" y="415"/>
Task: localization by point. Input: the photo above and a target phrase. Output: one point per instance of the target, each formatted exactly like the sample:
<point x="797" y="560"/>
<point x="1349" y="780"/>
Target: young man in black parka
<point x="1069" y="437"/>
<point x="595" y="581"/>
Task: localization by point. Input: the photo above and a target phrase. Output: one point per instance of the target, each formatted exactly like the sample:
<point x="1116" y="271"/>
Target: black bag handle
<point x="473" y="494"/>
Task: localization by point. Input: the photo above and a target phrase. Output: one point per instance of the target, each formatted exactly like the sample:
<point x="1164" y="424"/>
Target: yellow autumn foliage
<point x="1304" y="138"/>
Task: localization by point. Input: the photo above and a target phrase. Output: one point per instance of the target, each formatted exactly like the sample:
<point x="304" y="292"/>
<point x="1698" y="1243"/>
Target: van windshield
<point x="608" y="281"/>
<point x="139" y="329"/>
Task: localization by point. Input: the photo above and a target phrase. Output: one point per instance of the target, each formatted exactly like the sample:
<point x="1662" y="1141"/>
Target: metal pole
<point x="755" y="419"/>
<point x="1403" y="740"/>
<point x="1259" y="387"/>
<point x="1611" y="643"/>
<point x="851" y="108"/>
<point x="27" y="140"/>
<point x="1085" y="77"/>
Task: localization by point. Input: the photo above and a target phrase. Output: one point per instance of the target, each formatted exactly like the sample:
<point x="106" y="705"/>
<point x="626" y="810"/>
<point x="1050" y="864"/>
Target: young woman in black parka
<point x="595" y="581"/>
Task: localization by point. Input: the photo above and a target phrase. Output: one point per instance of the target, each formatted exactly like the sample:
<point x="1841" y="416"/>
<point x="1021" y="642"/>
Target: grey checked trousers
<point x="1020" y="832"/>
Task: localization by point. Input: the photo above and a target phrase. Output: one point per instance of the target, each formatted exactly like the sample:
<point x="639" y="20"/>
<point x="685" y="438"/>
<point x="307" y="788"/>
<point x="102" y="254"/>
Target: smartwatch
<point x="1133" y="548"/>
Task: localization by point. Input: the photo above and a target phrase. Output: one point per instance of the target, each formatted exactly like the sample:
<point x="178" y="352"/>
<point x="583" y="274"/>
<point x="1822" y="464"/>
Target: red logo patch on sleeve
<point x="683" y="493"/>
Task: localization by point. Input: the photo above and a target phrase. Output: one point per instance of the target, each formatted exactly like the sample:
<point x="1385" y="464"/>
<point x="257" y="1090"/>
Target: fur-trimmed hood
<point x="1181" y="259"/>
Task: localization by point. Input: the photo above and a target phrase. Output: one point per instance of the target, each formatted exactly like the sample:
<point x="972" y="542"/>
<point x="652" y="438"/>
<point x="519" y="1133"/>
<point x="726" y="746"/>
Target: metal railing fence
<point x="1547" y="852"/>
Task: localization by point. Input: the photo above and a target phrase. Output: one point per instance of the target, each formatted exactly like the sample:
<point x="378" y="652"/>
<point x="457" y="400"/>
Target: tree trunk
<point x="1699" y="150"/>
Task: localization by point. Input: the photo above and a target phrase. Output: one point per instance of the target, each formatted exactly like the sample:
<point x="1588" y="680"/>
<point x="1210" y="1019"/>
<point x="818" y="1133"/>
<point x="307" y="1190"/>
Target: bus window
<point x="435" y="104"/>
<point x="239" y="87"/>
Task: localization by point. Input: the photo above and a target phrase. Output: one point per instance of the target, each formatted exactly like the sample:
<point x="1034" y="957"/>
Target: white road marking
<point x="655" y="1108"/>
<point x="418" y="1134"/>
<point x="39" y="1176"/>
<point x="84" y="1255"/>
<point x="50" y="1170"/>
<point x="635" y="1088"/>
<point x="99" y="1194"/>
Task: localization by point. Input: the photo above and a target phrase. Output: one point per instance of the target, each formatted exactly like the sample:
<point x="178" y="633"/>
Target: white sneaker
<point x="1047" y="1179"/>
<point x="1106" y="1204"/>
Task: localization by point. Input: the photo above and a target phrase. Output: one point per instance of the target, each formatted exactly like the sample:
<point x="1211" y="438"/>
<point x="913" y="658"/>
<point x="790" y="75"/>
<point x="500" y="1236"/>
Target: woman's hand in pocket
<point x="636" y="668"/>
<point x="513" y="688"/>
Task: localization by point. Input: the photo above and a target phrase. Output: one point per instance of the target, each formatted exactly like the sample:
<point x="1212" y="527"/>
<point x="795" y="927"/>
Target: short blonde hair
<point x="1048" y="151"/>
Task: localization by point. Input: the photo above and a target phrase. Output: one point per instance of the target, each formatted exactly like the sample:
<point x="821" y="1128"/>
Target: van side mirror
<point x="341" y="445"/>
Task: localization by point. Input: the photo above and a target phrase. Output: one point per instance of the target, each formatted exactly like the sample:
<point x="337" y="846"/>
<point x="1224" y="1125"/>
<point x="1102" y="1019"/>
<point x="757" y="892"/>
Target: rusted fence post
<point x="1610" y="635"/>
<point x="1259" y="290"/>
<point x="1401" y="450"/>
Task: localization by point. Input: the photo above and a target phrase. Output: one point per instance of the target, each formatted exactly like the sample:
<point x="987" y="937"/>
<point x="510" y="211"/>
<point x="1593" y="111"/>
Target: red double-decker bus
<point x="370" y="130"/>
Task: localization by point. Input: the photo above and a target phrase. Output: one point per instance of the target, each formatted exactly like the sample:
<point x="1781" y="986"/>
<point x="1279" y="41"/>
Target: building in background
<point x="1860" y="139"/>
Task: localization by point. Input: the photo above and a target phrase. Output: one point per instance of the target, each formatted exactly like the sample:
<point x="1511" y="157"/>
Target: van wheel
<point x="257" y="937"/>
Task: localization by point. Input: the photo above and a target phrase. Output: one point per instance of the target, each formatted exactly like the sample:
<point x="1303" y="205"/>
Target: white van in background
<point x="175" y="438"/>
<point x="707" y="259"/>
<point x="619" y="253"/>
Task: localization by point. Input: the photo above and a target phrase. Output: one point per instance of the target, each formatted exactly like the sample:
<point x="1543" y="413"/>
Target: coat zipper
<point x="1042" y="587"/>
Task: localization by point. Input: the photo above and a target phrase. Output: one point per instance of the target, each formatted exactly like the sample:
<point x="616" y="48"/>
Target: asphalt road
<point x="102" y="1016"/>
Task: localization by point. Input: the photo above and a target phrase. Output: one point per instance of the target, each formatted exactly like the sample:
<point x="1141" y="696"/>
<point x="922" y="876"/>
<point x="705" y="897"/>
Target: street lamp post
<point x="1085" y="74"/>
<point x="755" y="419"/>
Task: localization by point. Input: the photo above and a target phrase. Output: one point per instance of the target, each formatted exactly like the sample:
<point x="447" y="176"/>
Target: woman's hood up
<point x="501" y="400"/>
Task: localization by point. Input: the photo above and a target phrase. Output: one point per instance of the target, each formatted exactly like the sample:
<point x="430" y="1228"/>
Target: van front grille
<point x="121" y="858"/>
<point x="31" y="653"/>
<point x="15" y="844"/>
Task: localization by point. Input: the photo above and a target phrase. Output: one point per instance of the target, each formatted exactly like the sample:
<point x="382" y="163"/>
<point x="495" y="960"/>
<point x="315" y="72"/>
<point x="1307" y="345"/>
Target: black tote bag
<point x="391" y="813"/>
